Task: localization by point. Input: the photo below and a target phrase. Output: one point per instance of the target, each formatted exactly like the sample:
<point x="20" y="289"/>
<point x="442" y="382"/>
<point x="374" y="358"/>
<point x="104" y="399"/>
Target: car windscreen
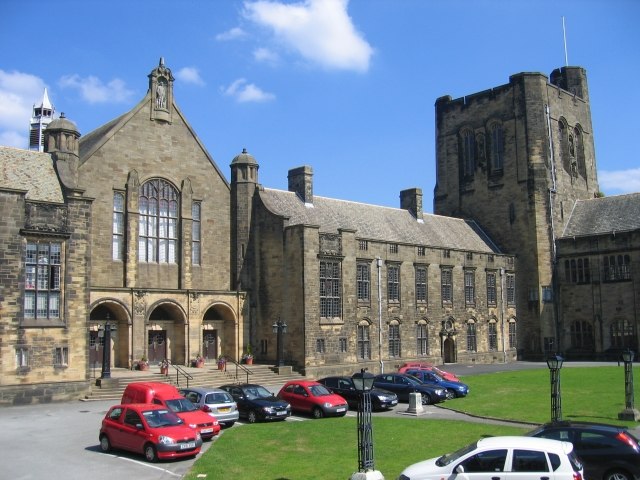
<point x="180" y="405"/>
<point x="257" y="391"/>
<point x="319" y="390"/>
<point x="218" y="397"/>
<point x="413" y="380"/>
<point x="161" y="418"/>
<point x="447" y="458"/>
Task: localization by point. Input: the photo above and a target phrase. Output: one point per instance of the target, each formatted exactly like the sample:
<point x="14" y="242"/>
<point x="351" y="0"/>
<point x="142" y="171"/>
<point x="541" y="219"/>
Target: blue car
<point x="454" y="389"/>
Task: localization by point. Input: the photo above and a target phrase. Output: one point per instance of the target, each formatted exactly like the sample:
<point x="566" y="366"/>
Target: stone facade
<point x="516" y="158"/>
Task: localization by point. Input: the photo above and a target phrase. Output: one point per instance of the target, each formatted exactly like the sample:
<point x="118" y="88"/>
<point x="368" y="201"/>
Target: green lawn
<point x="327" y="449"/>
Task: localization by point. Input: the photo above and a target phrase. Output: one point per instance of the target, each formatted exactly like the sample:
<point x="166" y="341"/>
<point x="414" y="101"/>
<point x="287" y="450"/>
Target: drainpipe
<point x="379" y="265"/>
<point x="502" y="281"/>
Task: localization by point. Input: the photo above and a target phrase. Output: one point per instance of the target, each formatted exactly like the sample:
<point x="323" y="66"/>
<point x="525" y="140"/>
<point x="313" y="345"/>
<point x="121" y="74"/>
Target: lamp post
<point x="555" y="364"/>
<point x="280" y="328"/>
<point x="106" y="350"/>
<point x="629" y="412"/>
<point x="363" y="382"/>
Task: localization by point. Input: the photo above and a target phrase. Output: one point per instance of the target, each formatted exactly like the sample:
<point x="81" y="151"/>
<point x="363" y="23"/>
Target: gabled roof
<point x="31" y="171"/>
<point x="373" y="222"/>
<point x="95" y="139"/>
<point x="597" y="216"/>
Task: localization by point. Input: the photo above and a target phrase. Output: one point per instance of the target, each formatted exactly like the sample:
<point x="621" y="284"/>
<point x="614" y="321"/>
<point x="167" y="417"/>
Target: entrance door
<point x="96" y="347"/>
<point x="449" y="350"/>
<point x="210" y="344"/>
<point x="157" y="350"/>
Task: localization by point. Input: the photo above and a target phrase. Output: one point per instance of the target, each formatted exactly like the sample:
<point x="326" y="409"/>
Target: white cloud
<point x="620" y="181"/>
<point x="94" y="91"/>
<point x="321" y="31"/>
<point x="265" y="55"/>
<point x="247" y="92"/>
<point x="190" y="75"/>
<point x="18" y="93"/>
<point x="233" y="34"/>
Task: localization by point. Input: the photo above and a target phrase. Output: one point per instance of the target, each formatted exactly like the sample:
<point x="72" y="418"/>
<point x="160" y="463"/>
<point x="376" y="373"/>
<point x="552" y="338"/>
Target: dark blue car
<point x="454" y="389"/>
<point x="404" y="385"/>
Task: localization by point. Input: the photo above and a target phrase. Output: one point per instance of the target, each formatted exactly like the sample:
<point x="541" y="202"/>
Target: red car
<point x="152" y="430"/>
<point x="428" y="366"/>
<point x="313" y="397"/>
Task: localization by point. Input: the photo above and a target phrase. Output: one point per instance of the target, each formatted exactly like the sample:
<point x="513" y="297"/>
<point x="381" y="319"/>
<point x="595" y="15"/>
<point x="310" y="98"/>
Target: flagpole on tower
<point x="564" y="34"/>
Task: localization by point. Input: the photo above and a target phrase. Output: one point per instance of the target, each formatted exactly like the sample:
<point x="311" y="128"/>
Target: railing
<point x="179" y="372"/>
<point x="238" y="367"/>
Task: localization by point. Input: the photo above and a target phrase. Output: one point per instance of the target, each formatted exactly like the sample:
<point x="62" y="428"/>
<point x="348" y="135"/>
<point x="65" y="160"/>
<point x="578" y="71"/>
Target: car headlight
<point x="198" y="437"/>
<point x="327" y="404"/>
<point x="164" y="440"/>
<point x="193" y="425"/>
<point x="440" y="391"/>
<point x="269" y="409"/>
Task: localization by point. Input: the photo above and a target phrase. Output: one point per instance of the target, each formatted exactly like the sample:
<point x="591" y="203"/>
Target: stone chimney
<point x="301" y="182"/>
<point x="411" y="199"/>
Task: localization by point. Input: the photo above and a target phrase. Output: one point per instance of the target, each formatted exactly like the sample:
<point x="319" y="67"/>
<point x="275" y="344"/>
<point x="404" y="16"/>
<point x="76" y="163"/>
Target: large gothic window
<point x="364" y="342"/>
<point x="468" y="157"/>
<point x="118" y="226"/>
<point x="330" y="289"/>
<point x="158" y="231"/>
<point x="581" y="335"/>
<point x="579" y="151"/>
<point x="497" y="149"/>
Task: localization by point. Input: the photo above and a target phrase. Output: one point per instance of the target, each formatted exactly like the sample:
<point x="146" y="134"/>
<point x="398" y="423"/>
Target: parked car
<point x="430" y="367"/>
<point x="453" y="389"/>
<point x="502" y="458"/>
<point x="403" y="385"/>
<point x="608" y="452"/>
<point x="256" y="403"/>
<point x="214" y="401"/>
<point x="152" y="430"/>
<point x="343" y="386"/>
<point x="313" y="397"/>
<point x="168" y="396"/>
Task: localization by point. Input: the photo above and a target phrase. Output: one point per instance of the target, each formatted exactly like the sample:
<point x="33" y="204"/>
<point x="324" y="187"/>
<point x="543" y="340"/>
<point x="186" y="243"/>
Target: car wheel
<point x="229" y="424"/>
<point x="317" y="412"/>
<point x="105" y="444"/>
<point x="450" y="394"/>
<point x="617" y="475"/>
<point x="150" y="453"/>
<point x="426" y="399"/>
<point x="252" y="416"/>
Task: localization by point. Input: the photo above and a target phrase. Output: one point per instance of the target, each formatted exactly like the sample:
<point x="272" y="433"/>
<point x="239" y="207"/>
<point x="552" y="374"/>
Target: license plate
<point x="340" y="409"/>
<point x="206" y="430"/>
<point x="281" y="413"/>
<point x="184" y="446"/>
<point x="224" y="410"/>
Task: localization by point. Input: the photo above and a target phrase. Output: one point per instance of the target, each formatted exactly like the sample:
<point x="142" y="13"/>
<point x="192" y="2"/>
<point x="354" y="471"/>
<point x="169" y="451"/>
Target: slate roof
<point x="597" y="216"/>
<point x="31" y="171"/>
<point x="379" y="223"/>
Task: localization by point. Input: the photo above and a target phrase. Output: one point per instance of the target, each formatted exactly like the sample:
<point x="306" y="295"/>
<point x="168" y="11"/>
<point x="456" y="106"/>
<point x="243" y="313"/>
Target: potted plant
<point x="199" y="361"/>
<point x="248" y="357"/>
<point x="221" y="362"/>
<point x="142" y="363"/>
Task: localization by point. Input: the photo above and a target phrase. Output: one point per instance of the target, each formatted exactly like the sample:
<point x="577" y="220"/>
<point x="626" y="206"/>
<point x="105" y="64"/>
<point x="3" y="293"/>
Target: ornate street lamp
<point x="555" y="364"/>
<point x="363" y="382"/>
<point x="280" y="328"/>
<point x="106" y="348"/>
<point x="629" y="412"/>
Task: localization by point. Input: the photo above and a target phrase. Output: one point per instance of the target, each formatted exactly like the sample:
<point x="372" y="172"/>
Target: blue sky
<point x="347" y="87"/>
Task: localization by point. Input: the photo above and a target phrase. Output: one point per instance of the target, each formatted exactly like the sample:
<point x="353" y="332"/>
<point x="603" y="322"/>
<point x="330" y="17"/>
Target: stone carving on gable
<point x="161" y="89"/>
<point x="330" y="244"/>
<point x="43" y="217"/>
<point x="139" y="303"/>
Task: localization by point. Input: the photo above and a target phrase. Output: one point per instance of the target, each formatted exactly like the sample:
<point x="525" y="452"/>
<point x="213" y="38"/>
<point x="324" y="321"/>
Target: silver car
<point x="215" y="402"/>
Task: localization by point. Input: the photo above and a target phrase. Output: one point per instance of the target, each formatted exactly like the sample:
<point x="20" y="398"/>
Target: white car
<point x="502" y="458"/>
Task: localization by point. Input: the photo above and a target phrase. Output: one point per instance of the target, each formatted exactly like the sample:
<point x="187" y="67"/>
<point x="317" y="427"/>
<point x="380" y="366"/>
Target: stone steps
<point x="112" y="388"/>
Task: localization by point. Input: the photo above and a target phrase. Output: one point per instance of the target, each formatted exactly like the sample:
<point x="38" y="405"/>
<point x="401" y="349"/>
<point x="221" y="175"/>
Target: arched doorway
<point x="219" y="335"/>
<point x="449" y="348"/>
<point x="166" y="336"/>
<point x="113" y="313"/>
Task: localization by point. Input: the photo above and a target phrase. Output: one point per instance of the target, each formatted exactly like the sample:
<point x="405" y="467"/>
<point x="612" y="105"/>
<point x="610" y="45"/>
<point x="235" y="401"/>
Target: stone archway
<point x="114" y="313"/>
<point x="165" y="334"/>
<point x="219" y="335"/>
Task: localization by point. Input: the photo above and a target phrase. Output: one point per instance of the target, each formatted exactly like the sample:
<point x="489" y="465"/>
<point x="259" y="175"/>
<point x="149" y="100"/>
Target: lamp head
<point x="554" y="362"/>
<point x="628" y="355"/>
<point x="363" y="380"/>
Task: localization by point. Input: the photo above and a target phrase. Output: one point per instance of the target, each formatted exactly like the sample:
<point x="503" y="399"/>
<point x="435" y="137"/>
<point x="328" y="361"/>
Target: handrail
<point x="241" y="367"/>
<point x="180" y="371"/>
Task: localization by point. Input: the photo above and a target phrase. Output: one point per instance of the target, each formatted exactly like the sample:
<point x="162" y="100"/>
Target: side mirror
<point x="139" y="426"/>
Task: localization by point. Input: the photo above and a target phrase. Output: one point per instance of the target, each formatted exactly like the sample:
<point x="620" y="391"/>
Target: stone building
<point x="598" y="290"/>
<point x="44" y="271"/>
<point x="516" y="159"/>
<point x="366" y="286"/>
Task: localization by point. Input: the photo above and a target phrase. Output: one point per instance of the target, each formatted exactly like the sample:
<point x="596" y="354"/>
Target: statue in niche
<point x="161" y="95"/>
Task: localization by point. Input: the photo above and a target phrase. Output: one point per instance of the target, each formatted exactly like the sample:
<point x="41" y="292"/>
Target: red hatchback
<point x="152" y="430"/>
<point x="313" y="397"/>
<point x="428" y="366"/>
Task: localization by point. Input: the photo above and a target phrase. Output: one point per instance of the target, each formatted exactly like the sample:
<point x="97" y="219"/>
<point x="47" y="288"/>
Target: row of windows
<point x="60" y="357"/>
<point x="622" y="334"/>
<point x="614" y="268"/>
<point x="158" y="224"/>
<point x="363" y="284"/>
